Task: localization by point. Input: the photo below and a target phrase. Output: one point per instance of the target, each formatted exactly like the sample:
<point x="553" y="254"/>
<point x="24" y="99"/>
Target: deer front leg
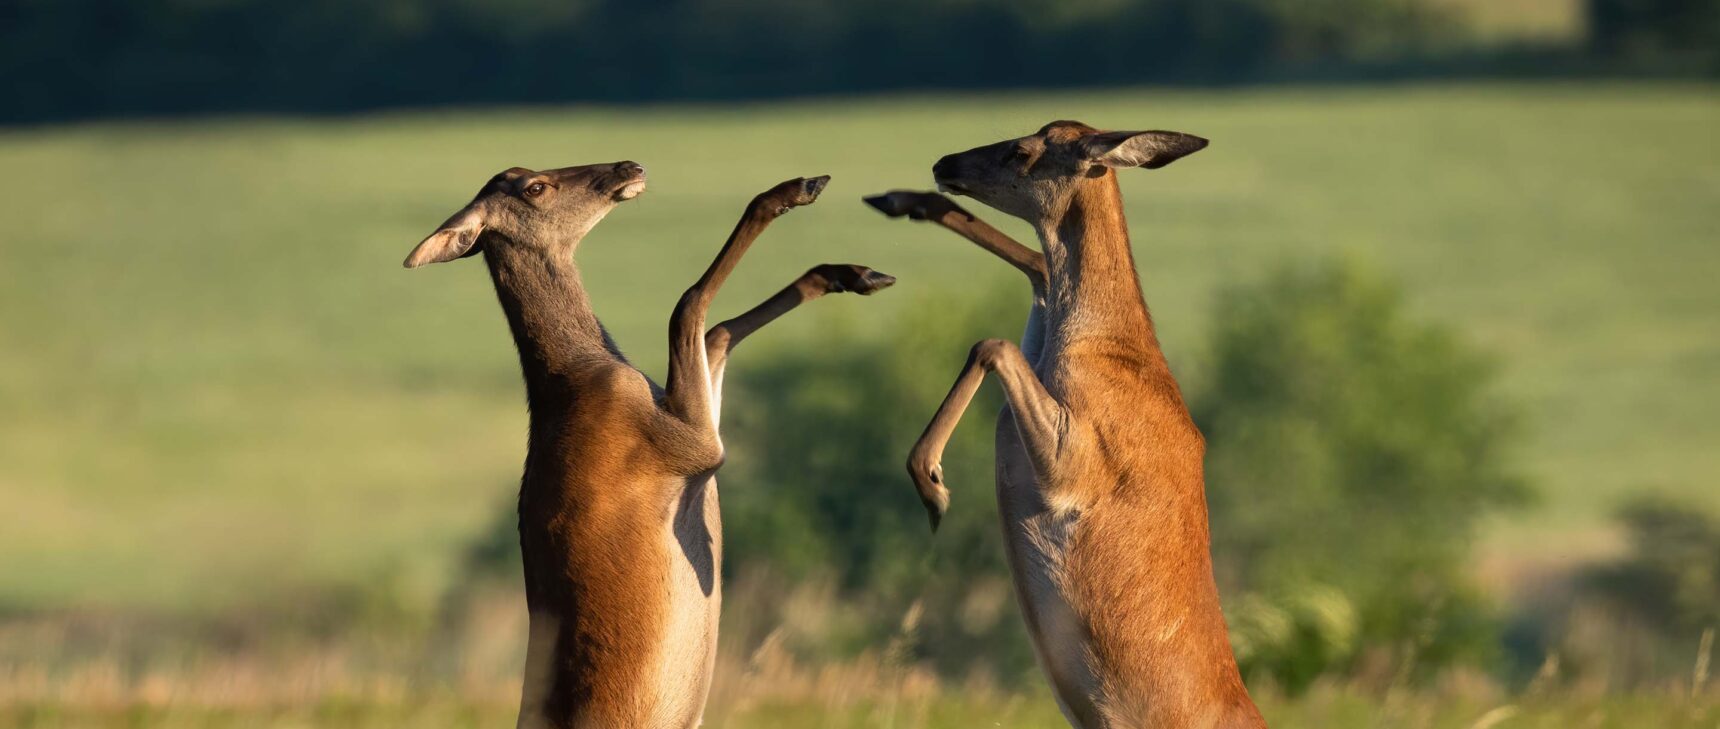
<point x="688" y="393"/>
<point x="1042" y="421"/>
<point x="829" y="278"/>
<point x="939" y="209"/>
<point x="943" y="211"/>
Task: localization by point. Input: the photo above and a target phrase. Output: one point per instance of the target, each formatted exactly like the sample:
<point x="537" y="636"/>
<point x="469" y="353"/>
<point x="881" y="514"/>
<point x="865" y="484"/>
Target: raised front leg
<point x="689" y="394"/>
<point x="941" y="210"/>
<point x="829" y="278"/>
<point x="1041" y="419"/>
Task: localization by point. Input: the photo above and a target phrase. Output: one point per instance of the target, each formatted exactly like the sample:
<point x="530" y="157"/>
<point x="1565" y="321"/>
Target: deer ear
<point x="1151" y="150"/>
<point x="457" y="238"/>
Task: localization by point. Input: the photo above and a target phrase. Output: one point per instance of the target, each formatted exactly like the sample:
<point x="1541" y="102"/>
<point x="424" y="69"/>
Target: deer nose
<point x="630" y="168"/>
<point x="944" y="168"/>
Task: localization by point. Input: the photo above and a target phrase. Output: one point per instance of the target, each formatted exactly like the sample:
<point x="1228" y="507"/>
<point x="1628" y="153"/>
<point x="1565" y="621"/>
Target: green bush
<point x="1671" y="577"/>
<point x="818" y="435"/>
<point x="1351" y="452"/>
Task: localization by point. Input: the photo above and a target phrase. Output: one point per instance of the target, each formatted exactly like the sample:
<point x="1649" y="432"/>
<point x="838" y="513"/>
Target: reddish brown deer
<point x="619" y="523"/>
<point x="1099" y="467"/>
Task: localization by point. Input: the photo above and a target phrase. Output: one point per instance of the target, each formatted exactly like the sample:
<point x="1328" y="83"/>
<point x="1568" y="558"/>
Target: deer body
<point x="620" y="530"/>
<point x="621" y="548"/>
<point x="1100" y="480"/>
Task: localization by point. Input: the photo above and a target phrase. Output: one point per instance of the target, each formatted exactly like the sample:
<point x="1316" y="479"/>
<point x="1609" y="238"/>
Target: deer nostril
<point x="945" y="167"/>
<point x="630" y="167"/>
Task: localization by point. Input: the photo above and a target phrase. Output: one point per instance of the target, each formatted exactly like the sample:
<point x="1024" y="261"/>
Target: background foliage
<point x="1352" y="453"/>
<point x="81" y="58"/>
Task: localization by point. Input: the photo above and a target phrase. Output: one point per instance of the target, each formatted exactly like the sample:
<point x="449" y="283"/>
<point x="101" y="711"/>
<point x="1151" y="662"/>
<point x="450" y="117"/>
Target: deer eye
<point x="535" y="189"/>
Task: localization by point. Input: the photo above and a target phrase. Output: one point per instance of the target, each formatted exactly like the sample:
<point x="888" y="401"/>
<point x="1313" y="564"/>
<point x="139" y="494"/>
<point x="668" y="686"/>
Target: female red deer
<point x="1099" y="468"/>
<point x="619" y="525"/>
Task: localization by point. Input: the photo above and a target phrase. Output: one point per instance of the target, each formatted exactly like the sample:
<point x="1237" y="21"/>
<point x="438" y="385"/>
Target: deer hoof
<point x="929" y="481"/>
<point x="891" y="204"/>
<point x="805" y="190"/>
<point x="812" y="186"/>
<point x="875" y="281"/>
<point x="844" y="277"/>
<point x="912" y="205"/>
<point x="790" y="194"/>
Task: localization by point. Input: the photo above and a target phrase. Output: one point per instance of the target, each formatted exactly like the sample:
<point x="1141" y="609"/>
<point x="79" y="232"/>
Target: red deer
<point x="1099" y="468"/>
<point x="619" y="525"/>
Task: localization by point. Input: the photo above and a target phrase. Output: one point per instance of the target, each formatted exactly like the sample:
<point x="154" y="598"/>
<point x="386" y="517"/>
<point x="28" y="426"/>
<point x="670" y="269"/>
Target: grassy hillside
<point x="216" y="380"/>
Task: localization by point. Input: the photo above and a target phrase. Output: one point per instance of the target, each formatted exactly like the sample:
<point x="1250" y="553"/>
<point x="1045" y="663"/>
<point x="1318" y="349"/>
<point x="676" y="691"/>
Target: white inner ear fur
<point x="452" y="240"/>
<point x="1135" y="151"/>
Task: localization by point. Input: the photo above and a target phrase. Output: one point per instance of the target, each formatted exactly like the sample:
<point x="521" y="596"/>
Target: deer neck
<point x="549" y="313"/>
<point x="1090" y="271"/>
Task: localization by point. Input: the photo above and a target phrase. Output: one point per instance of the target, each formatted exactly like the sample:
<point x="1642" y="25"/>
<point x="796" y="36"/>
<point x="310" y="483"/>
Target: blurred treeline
<point x="1352" y="453"/>
<point x="62" y="59"/>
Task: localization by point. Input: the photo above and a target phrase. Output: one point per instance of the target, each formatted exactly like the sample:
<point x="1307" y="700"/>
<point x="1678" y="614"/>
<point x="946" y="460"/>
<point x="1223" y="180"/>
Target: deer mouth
<point x="629" y="189"/>
<point x="951" y="188"/>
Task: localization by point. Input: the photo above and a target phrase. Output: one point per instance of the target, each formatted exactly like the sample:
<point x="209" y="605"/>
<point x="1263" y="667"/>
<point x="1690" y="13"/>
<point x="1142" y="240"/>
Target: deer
<point x="620" y="529"/>
<point x="1099" y="467"/>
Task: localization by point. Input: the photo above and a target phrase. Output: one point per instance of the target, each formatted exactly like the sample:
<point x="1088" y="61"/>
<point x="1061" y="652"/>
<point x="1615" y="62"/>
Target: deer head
<point x="1034" y="177"/>
<point x="549" y="210"/>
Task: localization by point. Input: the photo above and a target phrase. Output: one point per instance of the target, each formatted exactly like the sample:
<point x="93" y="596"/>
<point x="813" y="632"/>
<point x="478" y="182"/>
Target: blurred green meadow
<point x="217" y="378"/>
<point x="220" y="389"/>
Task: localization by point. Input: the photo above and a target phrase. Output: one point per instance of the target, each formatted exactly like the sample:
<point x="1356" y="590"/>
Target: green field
<point x="217" y="381"/>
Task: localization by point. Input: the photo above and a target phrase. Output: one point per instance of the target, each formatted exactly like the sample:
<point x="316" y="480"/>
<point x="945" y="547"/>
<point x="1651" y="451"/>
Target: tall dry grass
<point x="101" y="670"/>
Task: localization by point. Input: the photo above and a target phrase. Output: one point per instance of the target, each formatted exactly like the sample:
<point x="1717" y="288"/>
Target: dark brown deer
<point x="1099" y="467"/>
<point x="619" y="524"/>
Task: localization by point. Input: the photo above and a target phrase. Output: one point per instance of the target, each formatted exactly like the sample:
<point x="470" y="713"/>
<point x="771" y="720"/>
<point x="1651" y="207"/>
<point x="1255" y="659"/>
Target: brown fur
<point x="616" y="467"/>
<point x="1100" y="468"/>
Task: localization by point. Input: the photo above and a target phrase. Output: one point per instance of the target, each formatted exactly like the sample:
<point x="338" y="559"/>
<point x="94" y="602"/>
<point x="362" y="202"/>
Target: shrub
<point x="1351" y="451"/>
<point x="1639" y="620"/>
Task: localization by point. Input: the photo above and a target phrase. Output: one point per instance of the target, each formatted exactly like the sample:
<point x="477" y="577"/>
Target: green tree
<point x="1671" y="577"/>
<point x="1351" y="452"/>
<point x="819" y="432"/>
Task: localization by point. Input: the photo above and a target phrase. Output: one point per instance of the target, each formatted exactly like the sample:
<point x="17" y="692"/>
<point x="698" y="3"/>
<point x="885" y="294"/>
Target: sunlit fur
<point x="619" y="521"/>
<point x="1103" y="497"/>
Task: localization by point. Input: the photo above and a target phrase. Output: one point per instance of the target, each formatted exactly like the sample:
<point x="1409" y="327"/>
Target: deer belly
<point x="1037" y="539"/>
<point x="687" y="652"/>
<point x="680" y="565"/>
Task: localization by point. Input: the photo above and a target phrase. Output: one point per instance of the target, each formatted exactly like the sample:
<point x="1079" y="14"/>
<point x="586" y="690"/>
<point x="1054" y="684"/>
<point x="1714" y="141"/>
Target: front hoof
<point x="891" y="204"/>
<point x="928" y="479"/>
<point x="790" y="194"/>
<point x="912" y="205"/>
<point x="844" y="277"/>
<point x="875" y="281"/>
<point x="810" y="187"/>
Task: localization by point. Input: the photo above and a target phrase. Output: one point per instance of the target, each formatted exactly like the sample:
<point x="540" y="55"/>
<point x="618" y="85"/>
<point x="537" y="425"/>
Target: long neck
<point x="549" y="313"/>
<point x="1090" y="269"/>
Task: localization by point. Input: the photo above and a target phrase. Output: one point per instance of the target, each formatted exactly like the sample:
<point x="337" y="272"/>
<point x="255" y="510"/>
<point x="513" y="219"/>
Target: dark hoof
<point x="791" y="194"/>
<point x="888" y="204"/>
<point x="934" y="494"/>
<point x="804" y="191"/>
<point x="913" y="205"/>
<point x="935" y="514"/>
<point x="844" y="277"/>
<point x="875" y="281"/>
<point x="814" y="185"/>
